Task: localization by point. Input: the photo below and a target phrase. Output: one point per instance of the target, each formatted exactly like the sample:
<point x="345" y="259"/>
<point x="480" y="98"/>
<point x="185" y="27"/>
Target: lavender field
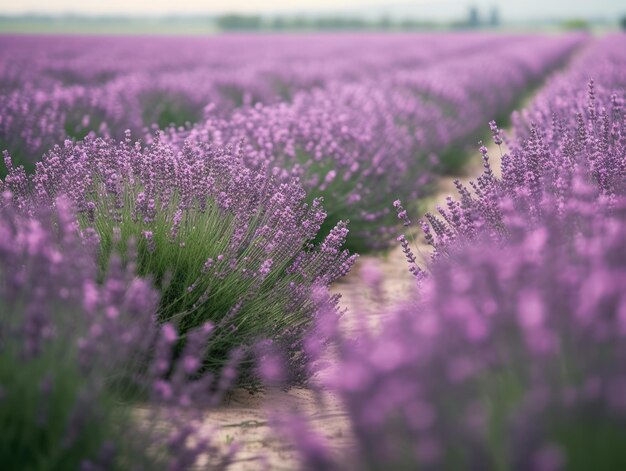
<point x="313" y="251"/>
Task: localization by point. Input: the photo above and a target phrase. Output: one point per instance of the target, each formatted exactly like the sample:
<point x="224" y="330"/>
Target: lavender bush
<point x="559" y="144"/>
<point x="485" y="370"/>
<point x="223" y="243"/>
<point x="74" y="350"/>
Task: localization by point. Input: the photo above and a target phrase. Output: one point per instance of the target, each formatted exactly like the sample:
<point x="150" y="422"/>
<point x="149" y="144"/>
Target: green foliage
<point x="576" y="24"/>
<point x="244" y="308"/>
<point x="234" y="22"/>
<point x="589" y="443"/>
<point x="45" y="421"/>
<point x="165" y="109"/>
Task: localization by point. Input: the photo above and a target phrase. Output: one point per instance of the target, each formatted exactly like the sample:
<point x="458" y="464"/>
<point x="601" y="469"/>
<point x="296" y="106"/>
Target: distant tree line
<point x="234" y="22"/>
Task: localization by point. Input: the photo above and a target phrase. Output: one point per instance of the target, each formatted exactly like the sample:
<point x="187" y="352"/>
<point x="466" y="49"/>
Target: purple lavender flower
<point x="483" y="368"/>
<point x="232" y="241"/>
<point x="402" y="214"/>
<point x="354" y="123"/>
<point x="76" y="346"/>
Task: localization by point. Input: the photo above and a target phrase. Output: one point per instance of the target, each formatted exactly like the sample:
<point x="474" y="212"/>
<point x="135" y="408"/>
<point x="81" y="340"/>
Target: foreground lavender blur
<point x="76" y="353"/>
<point x="512" y="356"/>
<point x="512" y="359"/>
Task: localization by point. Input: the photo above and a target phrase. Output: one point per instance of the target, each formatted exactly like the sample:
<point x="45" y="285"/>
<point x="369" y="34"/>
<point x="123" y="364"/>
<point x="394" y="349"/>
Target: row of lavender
<point x="357" y="143"/>
<point x="512" y="356"/>
<point x="291" y="61"/>
<point x="227" y="256"/>
<point x="109" y="85"/>
<point x="133" y="273"/>
<point x="362" y="129"/>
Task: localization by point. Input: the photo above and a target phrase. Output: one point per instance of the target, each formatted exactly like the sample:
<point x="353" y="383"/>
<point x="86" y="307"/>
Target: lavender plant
<point x="486" y="371"/>
<point x="76" y="353"/>
<point x="223" y="243"/>
<point x="510" y="356"/>
<point x="549" y="163"/>
<point x="484" y="368"/>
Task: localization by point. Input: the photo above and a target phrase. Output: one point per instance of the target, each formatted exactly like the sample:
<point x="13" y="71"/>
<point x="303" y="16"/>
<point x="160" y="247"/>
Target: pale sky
<point x="438" y="9"/>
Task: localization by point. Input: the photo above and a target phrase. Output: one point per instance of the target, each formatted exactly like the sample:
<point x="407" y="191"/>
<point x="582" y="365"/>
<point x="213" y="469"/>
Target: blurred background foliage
<point x="425" y="15"/>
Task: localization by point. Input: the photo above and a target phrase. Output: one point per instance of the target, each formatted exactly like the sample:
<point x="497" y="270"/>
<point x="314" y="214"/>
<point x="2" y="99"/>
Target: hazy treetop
<point x="510" y="10"/>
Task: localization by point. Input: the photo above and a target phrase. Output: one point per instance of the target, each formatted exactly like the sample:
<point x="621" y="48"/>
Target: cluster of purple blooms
<point x="77" y="353"/>
<point x="222" y="242"/>
<point x="55" y="87"/>
<point x="511" y="355"/>
<point x="570" y="134"/>
<point x="356" y="142"/>
<point x="511" y="358"/>
<point x="353" y="130"/>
